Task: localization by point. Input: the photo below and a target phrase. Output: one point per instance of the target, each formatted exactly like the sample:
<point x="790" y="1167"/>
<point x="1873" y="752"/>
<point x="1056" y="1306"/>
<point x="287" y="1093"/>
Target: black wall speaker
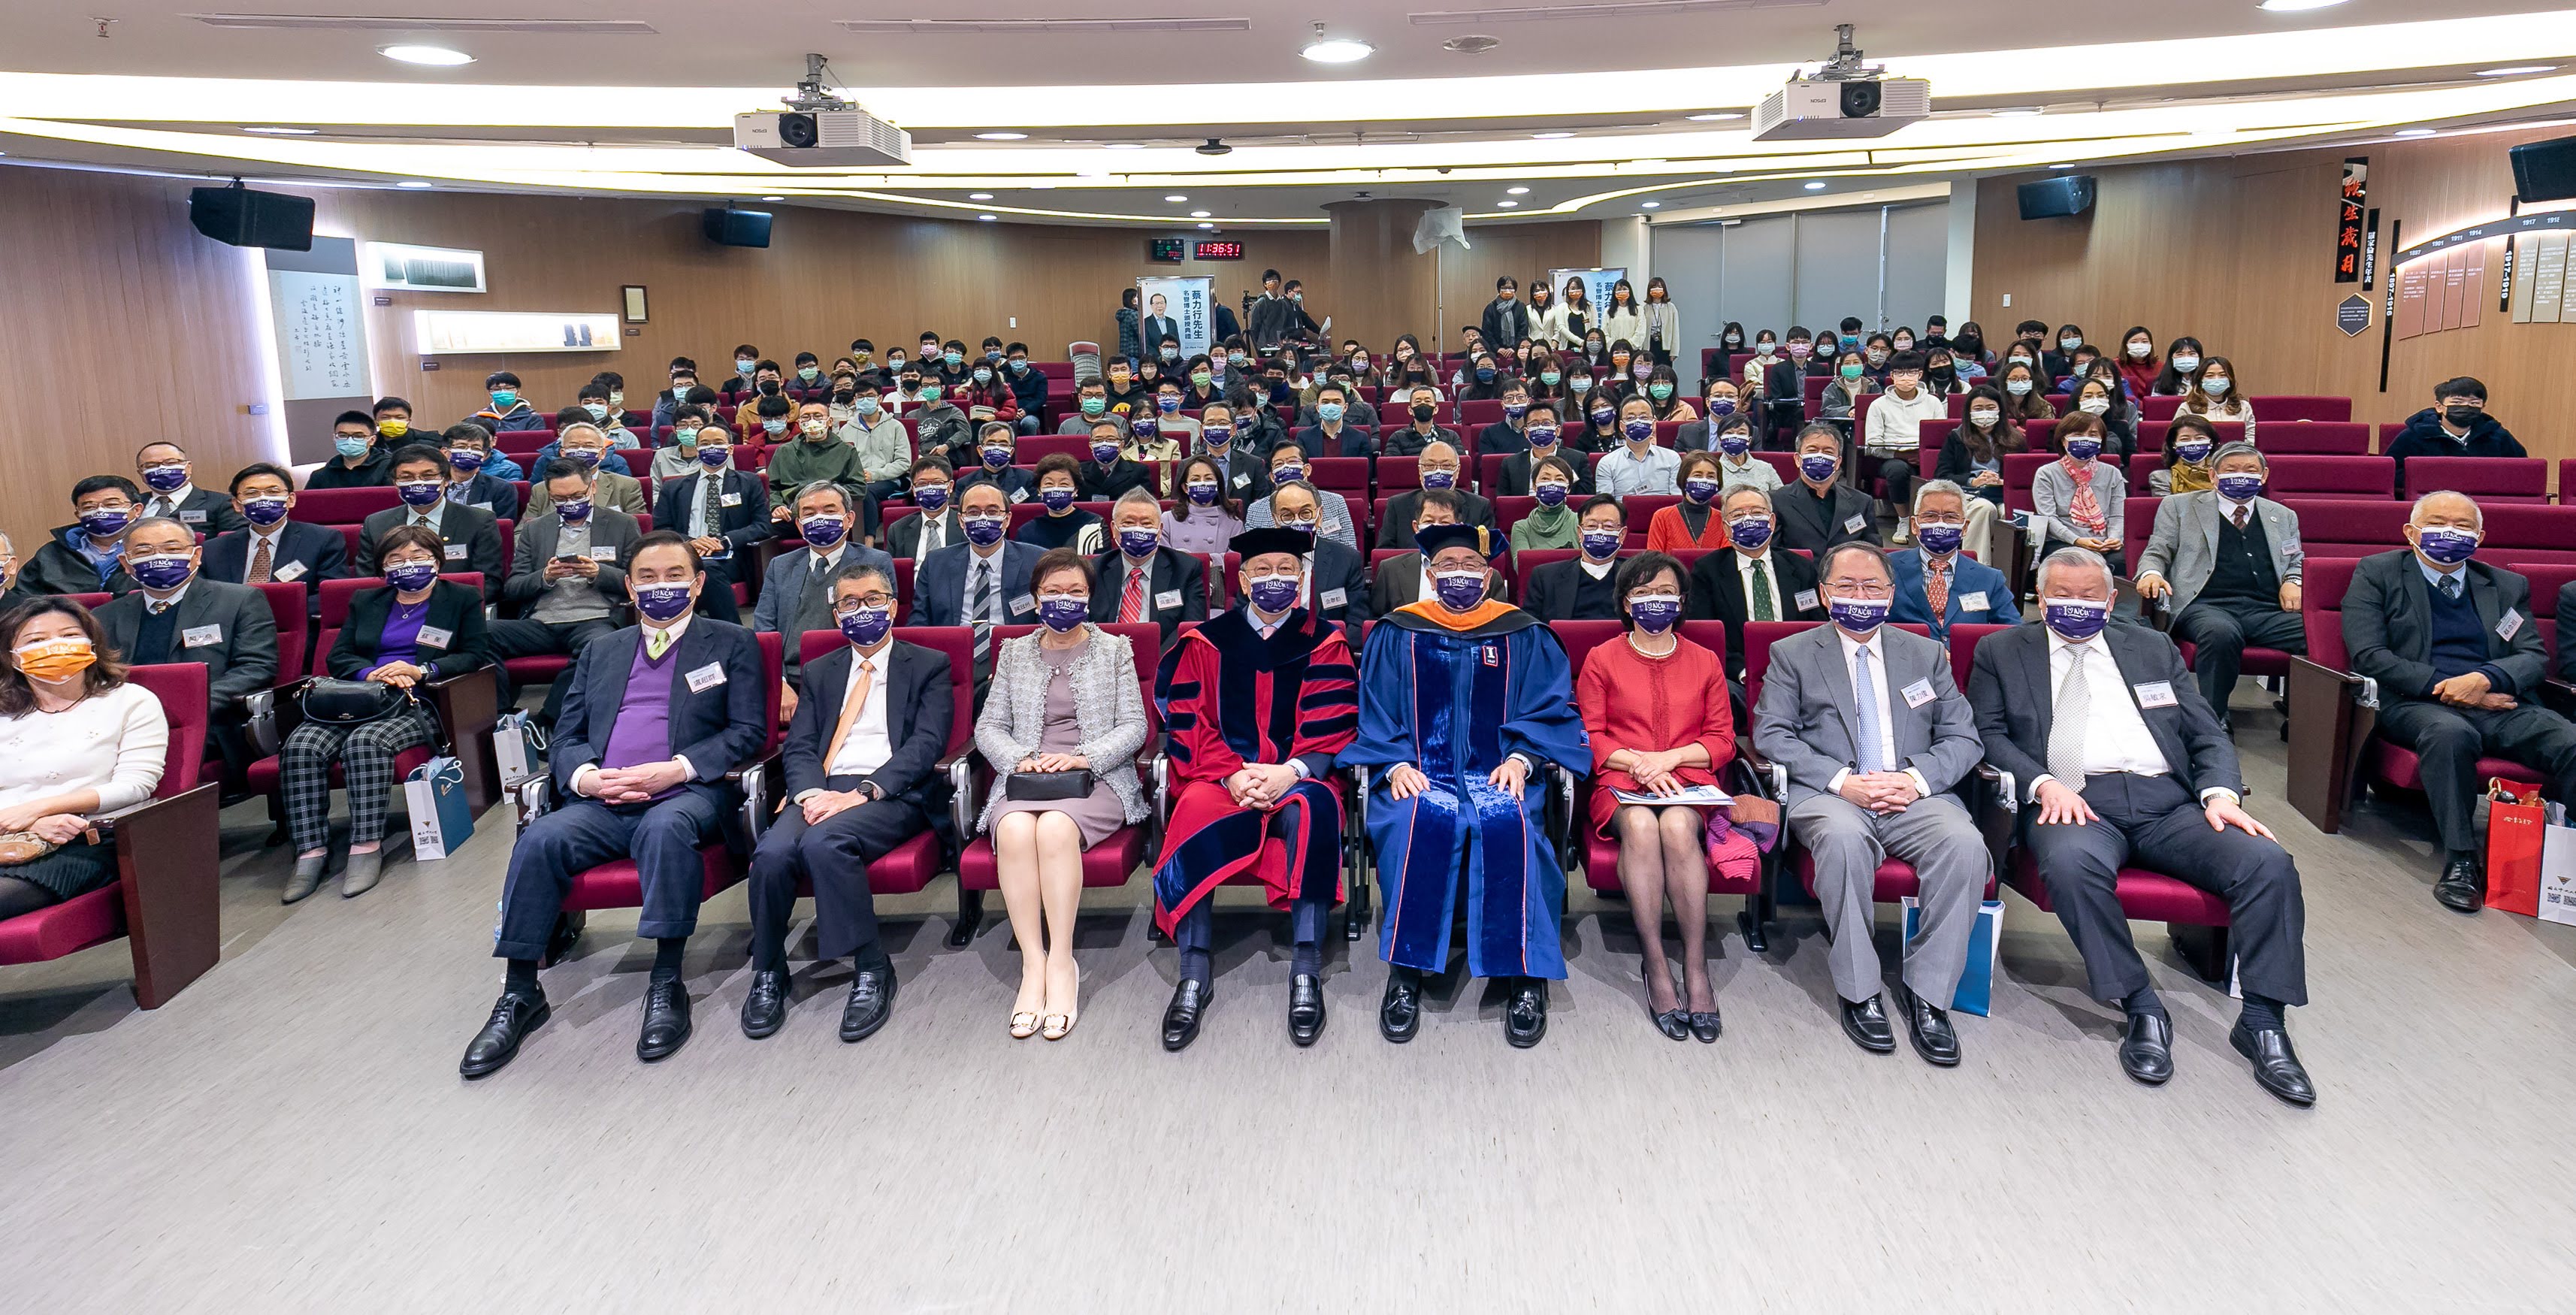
<point x="737" y="228"/>
<point x="2069" y="194"/>
<point x="241" y="217"/>
<point x="2544" y="171"/>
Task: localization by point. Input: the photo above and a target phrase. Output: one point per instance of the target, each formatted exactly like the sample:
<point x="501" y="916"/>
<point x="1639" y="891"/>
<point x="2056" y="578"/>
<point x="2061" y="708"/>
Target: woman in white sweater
<point x="2213" y="393"/>
<point x="1664" y="324"/>
<point x="1624" y="320"/>
<point x="1547" y="319"/>
<point x="76" y="740"/>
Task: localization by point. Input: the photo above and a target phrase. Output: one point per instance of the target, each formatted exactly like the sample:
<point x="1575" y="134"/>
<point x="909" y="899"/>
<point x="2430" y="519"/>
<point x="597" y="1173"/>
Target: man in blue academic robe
<point x="1462" y="700"/>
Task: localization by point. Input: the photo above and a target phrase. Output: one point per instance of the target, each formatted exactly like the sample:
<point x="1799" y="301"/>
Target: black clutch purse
<point x="1036" y="787"/>
<point x="351" y="702"/>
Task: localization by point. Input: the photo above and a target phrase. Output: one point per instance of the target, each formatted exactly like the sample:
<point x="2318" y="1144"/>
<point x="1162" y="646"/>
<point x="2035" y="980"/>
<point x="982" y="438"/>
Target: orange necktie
<point x="850" y="712"/>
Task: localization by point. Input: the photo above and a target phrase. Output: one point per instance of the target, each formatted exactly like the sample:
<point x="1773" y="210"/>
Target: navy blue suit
<point x="321" y="552"/>
<point x="719" y="726"/>
<point x="1968" y="577"/>
<point x="939" y="586"/>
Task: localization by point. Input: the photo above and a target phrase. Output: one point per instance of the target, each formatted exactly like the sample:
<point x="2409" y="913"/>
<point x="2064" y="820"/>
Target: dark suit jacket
<point x="452" y="608"/>
<point x="2388" y="626"/>
<point x="1552" y="590"/>
<point x="1408" y="441"/>
<point x="1717" y="593"/>
<point x="2014" y="700"/>
<point x="1344" y="572"/>
<point x="1151" y="331"/>
<point x="1174" y="572"/>
<point x="920" y="704"/>
<point x="1815" y="524"/>
<point x="321" y="551"/>
<point x="1502" y="436"/>
<point x="610" y="529"/>
<point x="903" y="535"/>
<point x="56" y="569"/>
<point x="204" y="510"/>
<point x="939" y="582"/>
<point x="1398" y="583"/>
<point x="744" y="521"/>
<point x="718" y="729"/>
<point x="489" y="492"/>
<point x="1505" y="323"/>
<point x="473" y="540"/>
<point x="1396" y="531"/>
<point x="241" y="658"/>
<point x="1105" y="483"/>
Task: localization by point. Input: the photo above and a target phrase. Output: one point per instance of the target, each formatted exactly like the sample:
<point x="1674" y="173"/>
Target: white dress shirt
<point x="868" y="745"/>
<point x="978" y="560"/>
<point x="934" y="534"/>
<point x="1623" y="473"/>
<point x="274" y="536"/>
<point x="167" y="504"/>
<point x="1597" y="570"/>
<point x="1855" y="650"/>
<point x="2116" y="739"/>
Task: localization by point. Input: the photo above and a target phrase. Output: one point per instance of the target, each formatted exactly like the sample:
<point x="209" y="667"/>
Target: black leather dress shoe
<point x="1181" y="1018"/>
<point x="1930" y="1031"/>
<point x="2276" y="1065"/>
<point x="871" y="1002"/>
<point x="764" y="1010"/>
<point x="1866" y="1024"/>
<point x="1305" y="1008"/>
<point x="666" y="1021"/>
<point x="2462" y="887"/>
<point x="514" y="1016"/>
<point x="1399" y="1013"/>
<point x="1705" y="1025"/>
<point x="1673" y="1023"/>
<point x="2146" y="1053"/>
<point x="1525" y="1013"/>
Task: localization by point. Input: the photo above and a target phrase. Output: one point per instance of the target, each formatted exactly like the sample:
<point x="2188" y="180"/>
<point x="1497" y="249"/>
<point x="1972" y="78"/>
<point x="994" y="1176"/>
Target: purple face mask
<point x="866" y="625"/>
<point x="1459" y="591"/>
<point x="662" y="602"/>
<point x="411" y="577"/>
<point x="1056" y="499"/>
<point x="1734" y="445"/>
<point x="1655" y="615"/>
<point x="1105" y="453"/>
<point x="1439" y="479"/>
<point x="1750" y="532"/>
<point x="1858" y="615"/>
<point x="1139" y="543"/>
<point x="1274" y="594"/>
<point x="1699" y="489"/>
<point x="107" y="523"/>
<point x="2446" y="545"/>
<point x="1602" y="545"/>
<point x="1638" y="431"/>
<point x="2076" y="620"/>
<point x="2238" y="487"/>
<point x="996" y="457"/>
<point x="1940" y="540"/>
<point x="1550" y="494"/>
<point x="984" y="531"/>
<point x="930" y="497"/>
<point x="420" y="493"/>
<point x="821" y="531"/>
<point x="2083" y="449"/>
<point x="1062" y="612"/>
<point x="165" y="479"/>
<point x="1819" y="466"/>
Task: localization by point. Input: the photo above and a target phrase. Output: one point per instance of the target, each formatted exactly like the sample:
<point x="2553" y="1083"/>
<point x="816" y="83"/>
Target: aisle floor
<point x="290" y="1133"/>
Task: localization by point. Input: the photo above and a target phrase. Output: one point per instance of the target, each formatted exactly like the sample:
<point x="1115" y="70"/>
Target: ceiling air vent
<point x="1606" y="9"/>
<point x="1040" y="26"/>
<point x="372" y="23"/>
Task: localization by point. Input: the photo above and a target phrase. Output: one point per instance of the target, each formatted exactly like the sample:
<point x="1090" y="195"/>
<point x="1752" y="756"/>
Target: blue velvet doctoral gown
<point x="1454" y="696"/>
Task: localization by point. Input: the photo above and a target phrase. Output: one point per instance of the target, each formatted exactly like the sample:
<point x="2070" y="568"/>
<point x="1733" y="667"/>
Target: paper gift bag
<point x="2557" y="900"/>
<point x="440" y="822"/>
<point x="514" y="749"/>
<point x="2516" y="826"/>
<point x="1985" y="944"/>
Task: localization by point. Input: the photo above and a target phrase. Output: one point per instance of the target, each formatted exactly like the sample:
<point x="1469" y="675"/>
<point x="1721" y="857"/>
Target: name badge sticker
<point x="1918" y="694"/>
<point x="1019" y="495"/>
<point x="201" y="636"/>
<point x="1332" y="598"/>
<point x="1167" y="598"/>
<point x="1242" y="479"/>
<point x="1975" y="602"/>
<point x="456" y="552"/>
<point x="434" y="637"/>
<point x="1023" y="605"/>
<point x="730" y="499"/>
<point x="192" y="517"/>
<point x="2510" y="626"/>
<point x="706" y="678"/>
<point x="1855" y="525"/>
<point x="2155" y="694"/>
<point x="1806" y="600"/>
<point x="288" y="573"/>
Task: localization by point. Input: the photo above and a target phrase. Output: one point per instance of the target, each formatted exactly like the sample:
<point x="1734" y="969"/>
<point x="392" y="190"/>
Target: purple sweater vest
<point x="643" y="731"/>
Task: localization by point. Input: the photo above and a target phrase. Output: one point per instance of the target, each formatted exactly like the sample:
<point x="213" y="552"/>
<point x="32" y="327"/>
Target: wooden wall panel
<point x="2240" y="253"/>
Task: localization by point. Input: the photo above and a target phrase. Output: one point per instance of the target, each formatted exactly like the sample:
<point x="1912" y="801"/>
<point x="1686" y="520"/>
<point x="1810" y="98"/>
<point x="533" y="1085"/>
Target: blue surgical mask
<point x="352" y="448"/>
<point x="954" y="359"/>
<point x="2445" y="544"/>
<point x="2076" y="620"/>
<point x="864" y="626"/>
<point x="1056" y="499"/>
<point x="821" y="531"/>
<point x="2239" y="487"/>
<point x="411" y="577"/>
<point x="1063" y="612"/>
<point x="662" y="602"/>
<point x="504" y="398"/>
<point x="597" y="410"/>
<point x="1655" y="613"/>
<point x="983" y="376"/>
<point x="1459" y="591"/>
<point x="1858" y="615"/>
<point x="1328" y="410"/>
<point x="1273" y="594"/>
<point x="984" y="531"/>
<point x="1602" y="545"/>
<point x="1940" y="540"/>
<point x="1167" y="403"/>
<point x="161" y="570"/>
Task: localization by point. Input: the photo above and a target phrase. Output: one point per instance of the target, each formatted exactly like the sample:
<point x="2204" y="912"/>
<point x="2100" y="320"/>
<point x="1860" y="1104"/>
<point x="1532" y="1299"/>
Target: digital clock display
<point x="1168" y="250"/>
<point x="1219" y="249"/>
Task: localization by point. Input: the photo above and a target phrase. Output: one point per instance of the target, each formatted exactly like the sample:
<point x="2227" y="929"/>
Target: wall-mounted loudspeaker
<point x="2067" y="194"/>
<point x="2544" y="171"/>
<point x="244" y="218"/>
<point x="736" y="228"/>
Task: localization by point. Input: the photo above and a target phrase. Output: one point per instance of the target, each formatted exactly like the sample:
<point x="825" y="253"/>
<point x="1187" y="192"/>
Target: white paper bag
<point x="2558" y="874"/>
<point x="511" y="749"/>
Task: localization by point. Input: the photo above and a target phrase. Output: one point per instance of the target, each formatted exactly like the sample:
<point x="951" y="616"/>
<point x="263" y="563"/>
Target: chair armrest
<point x="166" y="864"/>
<point x="2559" y="696"/>
<point x="1995" y="799"/>
<point x="2332" y="714"/>
<point x="1162" y="786"/>
<point x="1566" y="845"/>
<point x="286" y="711"/>
<point x="762" y="779"/>
<point x="1361" y="779"/>
<point x="536" y="797"/>
<point x="1770" y="779"/>
<point x="961" y="799"/>
<point x="469" y="706"/>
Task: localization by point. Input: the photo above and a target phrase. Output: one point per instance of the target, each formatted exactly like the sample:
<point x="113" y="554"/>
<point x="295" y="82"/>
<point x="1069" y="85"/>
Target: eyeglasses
<point x="849" y="605"/>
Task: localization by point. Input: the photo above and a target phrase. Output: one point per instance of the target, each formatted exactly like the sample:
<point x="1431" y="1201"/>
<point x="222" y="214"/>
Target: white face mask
<point x="2185" y="364"/>
<point x="2094" y="405"/>
<point x="2139" y="351"/>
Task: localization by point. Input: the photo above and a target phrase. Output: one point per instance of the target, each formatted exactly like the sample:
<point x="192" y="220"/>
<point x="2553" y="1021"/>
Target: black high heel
<point x="1674" y="1023"/>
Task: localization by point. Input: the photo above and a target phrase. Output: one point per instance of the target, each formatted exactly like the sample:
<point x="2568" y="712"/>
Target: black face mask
<point x="1424" y="411"/>
<point x="769" y="388"/>
<point x="844" y="399"/>
<point x="2462" y="417"/>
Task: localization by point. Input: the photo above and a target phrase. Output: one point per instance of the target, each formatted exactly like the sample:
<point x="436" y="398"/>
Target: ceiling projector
<point x="1845" y="98"/>
<point x="819" y="130"/>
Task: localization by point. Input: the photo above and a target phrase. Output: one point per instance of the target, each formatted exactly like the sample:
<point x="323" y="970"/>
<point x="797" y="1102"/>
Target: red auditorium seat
<point x="2330" y="477"/>
<point x="163" y="900"/>
<point x="2297" y="408"/>
<point x="343" y="506"/>
<point x="2330" y="438"/>
<point x="2151" y="409"/>
<point x="2488" y="479"/>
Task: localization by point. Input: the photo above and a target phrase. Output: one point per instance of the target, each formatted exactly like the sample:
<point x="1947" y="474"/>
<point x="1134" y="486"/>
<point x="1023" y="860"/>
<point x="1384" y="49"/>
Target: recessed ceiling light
<point x="979" y="196"/>
<point x="1515" y="191"/>
<point x="1176" y="198"/>
<point x="1124" y="146"/>
<point x="1336" y="50"/>
<point x="2414" y="132"/>
<point x="1508" y="205"/>
<point x="2017" y="112"/>
<point x="283" y="132"/>
<point x="2516" y="70"/>
<point x="1651" y="205"/>
<point x="1815" y="187"/>
<point x="2296" y="6"/>
<point x="412" y="183"/>
<point x="1550" y="136"/>
<point x="984" y="216"/>
<point x="1199" y="214"/>
<point x="1001" y="136"/>
<point x="2061" y="166"/>
<point x="439" y="56"/>
<point x="1207" y="225"/>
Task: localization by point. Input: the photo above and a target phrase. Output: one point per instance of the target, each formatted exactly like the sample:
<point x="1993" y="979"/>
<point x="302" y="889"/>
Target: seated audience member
<point x="1258" y="702"/>
<point x="1454" y="816"/>
<point x="721" y="511"/>
<point x="1061" y="524"/>
<point x="2456" y="425"/>
<point x="584" y="445"/>
<point x="415" y="629"/>
<point x="2458" y="656"/>
<point x="469" y="451"/>
<point x="1169" y="424"/>
<point x="1288" y="466"/>
<point x="1638" y="464"/>
<point x="884" y="449"/>
<point x="1656" y="710"/>
<point x="1141" y="581"/>
<point x="1090" y="406"/>
<point x="1871" y="769"/>
<point x="1234" y="446"/>
<point x="690" y="423"/>
<point x="1126" y="396"/>
<point x="1423" y="403"/>
<point x="1332" y="431"/>
<point x="1336" y="575"/>
<point x="1852" y="382"/>
<point x="770" y="420"/>
<point x="2081" y="497"/>
<point x="1545" y="441"/>
<point x="1028" y="386"/>
<point x="1403" y="580"/>
<point x="1749" y="580"/>
<point x="270" y="548"/>
<point x="359" y="461"/>
<point x="814" y="456"/>
<point x="985" y="397"/>
<point x="740" y="388"/>
<point x="1818" y="512"/>
<point x="88" y="555"/>
<point x="473" y="540"/>
<point x="659" y="713"/>
<point x="1511" y="433"/>
<point x="2099" y="397"/>
<point x="1936" y="584"/>
<point x="753" y="407"/>
<point x="934" y="492"/>
<point x="1582" y="589"/>
<point x="684" y="381"/>
<point x="2190" y="443"/>
<point x="594" y="401"/>
<point x="1663" y="390"/>
<point x="567" y="576"/>
<point x="1694" y="521"/>
<point x="1207" y="514"/>
<point x="2215" y="395"/>
<point x="796" y="594"/>
<point x="2113" y="778"/>
<point x="2229" y="560"/>
<point x="980" y="581"/>
<point x="166" y="471"/>
<point x="1553" y="523"/>
<point x="1064" y="700"/>
<point x="2182" y="358"/>
<point x="2025" y="394"/>
<point x="1736" y="463"/>
<point x="1105" y="473"/>
<point x="10" y="593"/>
<point x="174" y="616"/>
<point x="392" y="417"/>
<point x="996" y="448"/>
<point x="508" y="412"/>
<point x="862" y="770"/>
<point x="1437" y="470"/>
<point x="1973" y="458"/>
<point x="1892" y="440"/>
<point x="1150" y="446"/>
<point x="76" y="740"/>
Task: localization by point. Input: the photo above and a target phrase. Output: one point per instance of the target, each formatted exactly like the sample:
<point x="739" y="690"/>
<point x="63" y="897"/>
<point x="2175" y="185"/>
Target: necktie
<point x="2451" y="587"/>
<point x="1762" y="609"/>
<point x="656" y="643"/>
<point x="1936" y="588"/>
<point x="850" y="712"/>
<point x="708" y="517"/>
<point x="2240" y="520"/>
<point x="261" y="563"/>
<point x="1865" y="698"/>
<point x="1131" y="602"/>
<point x="421" y="519"/>
<point x="979" y="603"/>
<point x="932" y="530"/>
<point x="2074" y="709"/>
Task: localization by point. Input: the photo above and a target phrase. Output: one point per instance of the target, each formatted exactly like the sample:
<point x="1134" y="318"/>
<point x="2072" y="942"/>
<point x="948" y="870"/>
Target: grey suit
<point x="2184" y="548"/>
<point x="793" y="599"/>
<point x="1806" y="720"/>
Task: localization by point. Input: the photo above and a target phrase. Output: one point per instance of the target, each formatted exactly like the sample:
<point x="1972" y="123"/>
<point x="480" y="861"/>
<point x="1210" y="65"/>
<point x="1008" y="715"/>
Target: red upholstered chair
<point x="2347" y="527"/>
<point x="2567" y="481"/>
<point x="2330" y="438"/>
<point x="163" y="899"/>
<point x="2295" y="408"/>
<point x="616" y="884"/>
<point x="1526" y="564"/>
<point x="2331" y="477"/>
<point x="2158" y="408"/>
<point x="2488" y="479"/>
<point x="1348" y="476"/>
<point x="1030" y="449"/>
<point x="1398" y="475"/>
<point x="2151" y="438"/>
<point x="92" y="602"/>
<point x="1927" y="458"/>
<point x="343" y="506"/>
<point x="1109" y="863"/>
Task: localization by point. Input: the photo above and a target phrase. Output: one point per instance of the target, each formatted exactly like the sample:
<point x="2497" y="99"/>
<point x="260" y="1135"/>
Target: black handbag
<point x="1036" y="787"/>
<point x="352" y="702"/>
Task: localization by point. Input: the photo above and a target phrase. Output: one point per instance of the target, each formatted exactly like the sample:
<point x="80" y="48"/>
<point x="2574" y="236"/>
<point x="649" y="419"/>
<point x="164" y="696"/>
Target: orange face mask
<point x="54" y="661"/>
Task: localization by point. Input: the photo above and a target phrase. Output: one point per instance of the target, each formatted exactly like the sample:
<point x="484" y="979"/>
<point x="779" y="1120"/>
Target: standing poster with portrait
<point x="1189" y="303"/>
<point x="1596" y="282"/>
